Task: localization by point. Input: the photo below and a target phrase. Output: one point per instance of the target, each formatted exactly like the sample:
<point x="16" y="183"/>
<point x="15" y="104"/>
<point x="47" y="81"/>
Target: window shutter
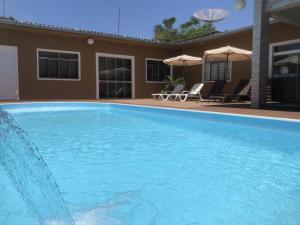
<point x="207" y="71"/>
<point x="214" y="71"/>
<point x="222" y="68"/>
<point x="228" y="74"/>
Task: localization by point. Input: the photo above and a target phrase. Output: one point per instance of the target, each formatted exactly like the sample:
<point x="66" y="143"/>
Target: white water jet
<point x="29" y="174"/>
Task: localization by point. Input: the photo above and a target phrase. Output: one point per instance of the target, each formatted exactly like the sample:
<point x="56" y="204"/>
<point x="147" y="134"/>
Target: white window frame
<point x="209" y="81"/>
<point x="132" y="58"/>
<point x="146" y="71"/>
<point x="271" y="52"/>
<point x="58" y="51"/>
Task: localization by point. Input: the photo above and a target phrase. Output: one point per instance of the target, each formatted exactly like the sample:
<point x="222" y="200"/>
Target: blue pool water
<point x="117" y="164"/>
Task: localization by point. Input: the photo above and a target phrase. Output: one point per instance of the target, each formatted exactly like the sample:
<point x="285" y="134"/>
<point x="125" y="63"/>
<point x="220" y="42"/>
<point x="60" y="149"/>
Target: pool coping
<point x="160" y="107"/>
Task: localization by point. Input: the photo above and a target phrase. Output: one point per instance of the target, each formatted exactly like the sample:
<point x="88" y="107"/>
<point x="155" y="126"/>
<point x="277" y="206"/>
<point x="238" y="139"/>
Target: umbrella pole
<point x="226" y="67"/>
<point x="183" y="68"/>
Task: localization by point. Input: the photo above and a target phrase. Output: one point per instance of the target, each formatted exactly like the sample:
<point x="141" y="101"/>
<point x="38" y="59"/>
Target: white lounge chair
<point x="194" y="93"/>
<point x="166" y="95"/>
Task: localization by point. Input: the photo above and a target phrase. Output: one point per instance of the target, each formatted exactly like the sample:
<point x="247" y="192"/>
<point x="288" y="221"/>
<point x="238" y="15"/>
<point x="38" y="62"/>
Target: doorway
<point x="115" y="76"/>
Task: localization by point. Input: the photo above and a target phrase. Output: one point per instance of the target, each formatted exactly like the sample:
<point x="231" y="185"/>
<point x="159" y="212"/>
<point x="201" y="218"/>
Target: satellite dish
<point x="211" y="15"/>
<point x="240" y="5"/>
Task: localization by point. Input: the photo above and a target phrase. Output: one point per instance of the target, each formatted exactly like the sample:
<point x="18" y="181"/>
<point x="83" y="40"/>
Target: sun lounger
<point x="194" y="93"/>
<point x="217" y="88"/>
<point x="166" y="95"/>
<point x="241" y="91"/>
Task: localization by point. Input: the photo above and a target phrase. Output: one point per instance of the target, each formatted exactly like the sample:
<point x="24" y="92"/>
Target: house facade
<point x="285" y="11"/>
<point x="44" y="62"/>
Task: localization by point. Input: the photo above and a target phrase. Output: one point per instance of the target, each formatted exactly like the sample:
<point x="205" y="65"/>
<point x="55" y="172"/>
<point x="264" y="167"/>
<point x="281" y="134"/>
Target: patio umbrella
<point x="183" y="60"/>
<point x="227" y="54"/>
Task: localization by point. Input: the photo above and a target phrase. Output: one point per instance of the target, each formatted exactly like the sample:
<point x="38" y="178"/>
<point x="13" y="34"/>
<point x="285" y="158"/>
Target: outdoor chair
<point x="166" y="95"/>
<point x="217" y="88"/>
<point x="194" y="93"/>
<point x="240" y="92"/>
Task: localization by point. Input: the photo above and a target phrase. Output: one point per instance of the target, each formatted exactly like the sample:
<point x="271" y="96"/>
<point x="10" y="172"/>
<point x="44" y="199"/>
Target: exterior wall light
<point x="90" y="41"/>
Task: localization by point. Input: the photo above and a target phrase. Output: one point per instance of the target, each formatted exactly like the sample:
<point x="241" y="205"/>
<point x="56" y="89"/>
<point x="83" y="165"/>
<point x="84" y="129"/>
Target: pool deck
<point x="272" y="110"/>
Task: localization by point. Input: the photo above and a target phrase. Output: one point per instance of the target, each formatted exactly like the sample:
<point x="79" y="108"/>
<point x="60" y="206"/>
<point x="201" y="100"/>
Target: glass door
<point x="115" y="77"/>
<point x="286" y="77"/>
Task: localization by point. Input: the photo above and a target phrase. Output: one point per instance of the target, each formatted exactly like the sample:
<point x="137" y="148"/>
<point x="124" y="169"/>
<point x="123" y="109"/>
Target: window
<point x="58" y="65"/>
<point x="286" y="47"/>
<point x="157" y="71"/>
<point x="285" y="71"/>
<point x="286" y="65"/>
<point x="217" y="70"/>
<point x="286" y="59"/>
<point x="115" y="76"/>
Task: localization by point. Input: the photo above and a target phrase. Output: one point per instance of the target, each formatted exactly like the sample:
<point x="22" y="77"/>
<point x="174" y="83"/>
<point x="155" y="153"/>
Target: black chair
<point x="216" y="89"/>
<point x="241" y="92"/>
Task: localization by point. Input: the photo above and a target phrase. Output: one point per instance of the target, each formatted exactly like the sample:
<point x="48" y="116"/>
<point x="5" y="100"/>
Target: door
<point x="8" y="73"/>
<point x="115" y="76"/>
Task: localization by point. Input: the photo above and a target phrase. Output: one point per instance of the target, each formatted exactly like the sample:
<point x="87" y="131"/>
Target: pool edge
<point x="160" y="107"/>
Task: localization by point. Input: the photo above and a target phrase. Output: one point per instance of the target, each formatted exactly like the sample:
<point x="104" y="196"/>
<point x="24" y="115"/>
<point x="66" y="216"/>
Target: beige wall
<point x="28" y="40"/>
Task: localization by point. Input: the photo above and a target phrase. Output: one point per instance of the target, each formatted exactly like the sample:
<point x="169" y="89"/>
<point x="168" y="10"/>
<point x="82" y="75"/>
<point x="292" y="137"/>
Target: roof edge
<point x="221" y="34"/>
<point x="83" y="32"/>
<point x="125" y="38"/>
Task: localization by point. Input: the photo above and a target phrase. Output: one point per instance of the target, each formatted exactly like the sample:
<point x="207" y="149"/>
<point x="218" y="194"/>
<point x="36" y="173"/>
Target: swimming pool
<point x="120" y="164"/>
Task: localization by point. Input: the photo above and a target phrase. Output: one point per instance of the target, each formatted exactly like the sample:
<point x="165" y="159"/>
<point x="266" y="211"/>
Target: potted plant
<point x="173" y="82"/>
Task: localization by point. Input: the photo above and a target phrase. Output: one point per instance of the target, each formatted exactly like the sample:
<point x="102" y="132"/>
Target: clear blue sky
<point x="137" y="16"/>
